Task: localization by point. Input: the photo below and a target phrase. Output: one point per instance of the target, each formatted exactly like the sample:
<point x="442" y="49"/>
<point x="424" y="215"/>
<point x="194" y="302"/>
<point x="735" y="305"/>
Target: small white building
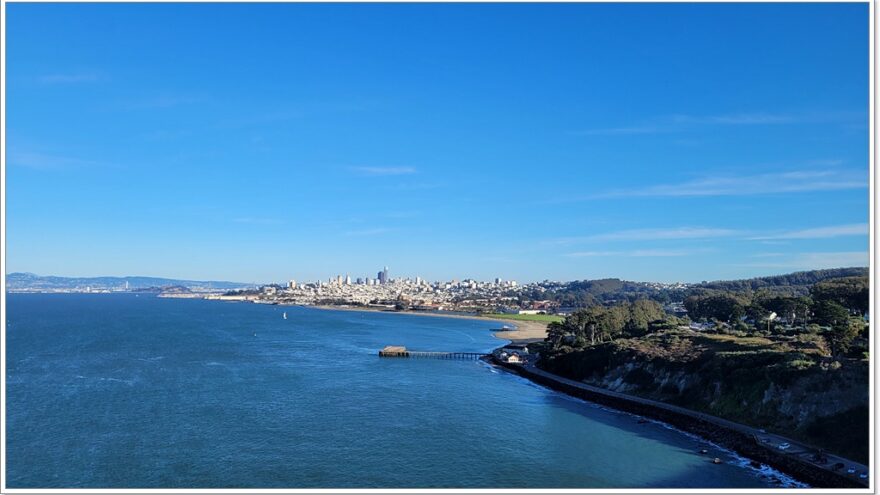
<point x="514" y="358"/>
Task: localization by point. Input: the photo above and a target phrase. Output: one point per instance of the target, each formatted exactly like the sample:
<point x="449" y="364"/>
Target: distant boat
<point x="284" y="315"/>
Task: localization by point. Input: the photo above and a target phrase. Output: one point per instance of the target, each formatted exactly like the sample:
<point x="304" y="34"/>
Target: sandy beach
<point x="523" y="331"/>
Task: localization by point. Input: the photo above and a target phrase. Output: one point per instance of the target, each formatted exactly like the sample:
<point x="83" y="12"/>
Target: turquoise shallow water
<point x="113" y="390"/>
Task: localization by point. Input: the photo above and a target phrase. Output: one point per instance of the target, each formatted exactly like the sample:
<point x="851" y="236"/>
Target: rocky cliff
<point x="785" y="385"/>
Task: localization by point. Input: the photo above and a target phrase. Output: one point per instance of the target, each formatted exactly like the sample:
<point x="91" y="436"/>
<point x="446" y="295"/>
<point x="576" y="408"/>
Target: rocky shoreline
<point x="705" y="426"/>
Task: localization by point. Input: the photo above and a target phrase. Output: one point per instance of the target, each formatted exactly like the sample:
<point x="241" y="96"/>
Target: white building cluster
<point x="385" y="291"/>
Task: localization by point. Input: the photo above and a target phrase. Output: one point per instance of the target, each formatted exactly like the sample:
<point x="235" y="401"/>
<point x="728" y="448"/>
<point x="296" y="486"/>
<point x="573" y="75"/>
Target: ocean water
<point x="113" y="390"/>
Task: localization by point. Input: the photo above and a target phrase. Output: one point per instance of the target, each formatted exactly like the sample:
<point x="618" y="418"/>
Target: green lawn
<point x="541" y="318"/>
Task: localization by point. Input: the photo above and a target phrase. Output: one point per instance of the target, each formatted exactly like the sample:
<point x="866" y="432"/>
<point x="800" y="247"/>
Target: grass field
<point x="540" y="318"/>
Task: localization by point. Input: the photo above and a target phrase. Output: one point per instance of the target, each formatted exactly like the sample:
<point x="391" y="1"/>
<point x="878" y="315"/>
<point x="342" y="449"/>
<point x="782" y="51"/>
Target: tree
<point x="598" y="324"/>
<point x="830" y="313"/>
<point x="757" y="312"/>
<point x="556" y="332"/>
<point x="841" y="336"/>
<point x="852" y="293"/>
<point x="641" y="313"/>
<point x="721" y="306"/>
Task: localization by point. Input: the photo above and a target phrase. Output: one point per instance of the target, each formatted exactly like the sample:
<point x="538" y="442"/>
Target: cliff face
<point x="786" y="386"/>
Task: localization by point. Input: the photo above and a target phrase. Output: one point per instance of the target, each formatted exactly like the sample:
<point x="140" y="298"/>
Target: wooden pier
<point x="400" y="351"/>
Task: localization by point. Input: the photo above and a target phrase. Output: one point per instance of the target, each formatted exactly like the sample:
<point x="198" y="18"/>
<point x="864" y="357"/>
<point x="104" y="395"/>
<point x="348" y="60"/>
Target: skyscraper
<point x="385" y="275"/>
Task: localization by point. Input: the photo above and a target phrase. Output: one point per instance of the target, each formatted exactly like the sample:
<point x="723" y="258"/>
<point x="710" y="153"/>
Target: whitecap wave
<point x="763" y="471"/>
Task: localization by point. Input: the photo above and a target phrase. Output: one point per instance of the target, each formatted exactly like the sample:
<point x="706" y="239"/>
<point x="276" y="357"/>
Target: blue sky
<point x="675" y="142"/>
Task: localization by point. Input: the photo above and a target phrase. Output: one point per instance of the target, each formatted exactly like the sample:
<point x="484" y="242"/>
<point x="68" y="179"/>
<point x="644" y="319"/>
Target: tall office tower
<point x="347" y="279"/>
<point x="359" y="281"/>
<point x="291" y="284"/>
<point x="497" y="281"/>
<point x="339" y="280"/>
<point x="385" y="275"/>
<point x="418" y="280"/>
<point x="381" y="277"/>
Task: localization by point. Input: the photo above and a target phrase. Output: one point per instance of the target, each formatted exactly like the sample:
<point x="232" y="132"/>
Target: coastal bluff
<point x="727" y="433"/>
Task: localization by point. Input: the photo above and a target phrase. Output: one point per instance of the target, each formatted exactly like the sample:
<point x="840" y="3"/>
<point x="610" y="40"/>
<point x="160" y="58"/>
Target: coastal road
<point x="804" y="453"/>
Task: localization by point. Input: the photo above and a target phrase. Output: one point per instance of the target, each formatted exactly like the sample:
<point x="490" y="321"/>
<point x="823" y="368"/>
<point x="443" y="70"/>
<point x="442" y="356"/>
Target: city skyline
<point x="527" y="142"/>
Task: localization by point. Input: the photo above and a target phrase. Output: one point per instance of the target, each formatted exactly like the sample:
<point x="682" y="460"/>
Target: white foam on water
<point x="764" y="471"/>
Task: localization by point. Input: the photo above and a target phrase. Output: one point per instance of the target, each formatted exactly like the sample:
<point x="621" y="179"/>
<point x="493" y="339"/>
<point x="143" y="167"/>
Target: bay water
<point x="135" y="391"/>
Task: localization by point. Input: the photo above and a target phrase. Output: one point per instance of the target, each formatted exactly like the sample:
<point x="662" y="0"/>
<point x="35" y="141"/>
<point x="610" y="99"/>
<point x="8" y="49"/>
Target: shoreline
<point x="725" y="433"/>
<point x="740" y="439"/>
<point x="523" y="332"/>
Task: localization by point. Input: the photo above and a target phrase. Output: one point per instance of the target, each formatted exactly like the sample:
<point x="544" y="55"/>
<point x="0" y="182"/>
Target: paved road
<point x="803" y="452"/>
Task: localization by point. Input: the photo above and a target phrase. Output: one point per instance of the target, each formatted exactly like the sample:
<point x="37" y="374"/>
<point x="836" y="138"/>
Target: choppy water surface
<point x="113" y="390"/>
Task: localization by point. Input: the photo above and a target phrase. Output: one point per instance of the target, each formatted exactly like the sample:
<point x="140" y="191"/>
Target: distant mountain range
<point x="30" y="281"/>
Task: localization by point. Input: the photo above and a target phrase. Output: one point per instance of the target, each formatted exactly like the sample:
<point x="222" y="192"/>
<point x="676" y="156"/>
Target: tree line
<point x="600" y="323"/>
<point x="834" y="307"/>
<point x="587" y="293"/>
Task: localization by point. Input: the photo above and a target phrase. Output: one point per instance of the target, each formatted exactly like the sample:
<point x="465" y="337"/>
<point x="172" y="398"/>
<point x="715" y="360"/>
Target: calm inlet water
<point x="125" y="391"/>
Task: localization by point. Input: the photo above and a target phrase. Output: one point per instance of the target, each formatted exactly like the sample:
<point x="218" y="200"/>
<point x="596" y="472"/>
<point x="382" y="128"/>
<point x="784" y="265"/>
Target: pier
<point x="403" y="352"/>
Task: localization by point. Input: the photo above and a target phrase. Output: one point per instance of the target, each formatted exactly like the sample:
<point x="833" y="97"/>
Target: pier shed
<point x="394" y="351"/>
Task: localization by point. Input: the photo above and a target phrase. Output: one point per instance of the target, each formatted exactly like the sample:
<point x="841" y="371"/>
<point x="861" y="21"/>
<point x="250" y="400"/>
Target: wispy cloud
<point x="815" y="261"/>
<point x="825" y="162"/>
<point x="42" y="161"/>
<point x="746" y="185"/>
<point x="760" y="118"/>
<point x="368" y="232"/>
<point x="685" y="122"/>
<point x="624" y="131"/>
<point x="73" y="78"/>
<point x="590" y="254"/>
<point x="383" y="171"/>
<point x="639" y="253"/>
<point x="165" y="134"/>
<point x="161" y="101"/>
<point x="275" y="116"/>
<point x="662" y="234"/>
<point x="709" y="233"/>
<point x="416" y="186"/>
<point x="402" y="214"/>
<point x="819" y="232"/>
<point x="681" y="122"/>
<point x="258" y="221"/>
